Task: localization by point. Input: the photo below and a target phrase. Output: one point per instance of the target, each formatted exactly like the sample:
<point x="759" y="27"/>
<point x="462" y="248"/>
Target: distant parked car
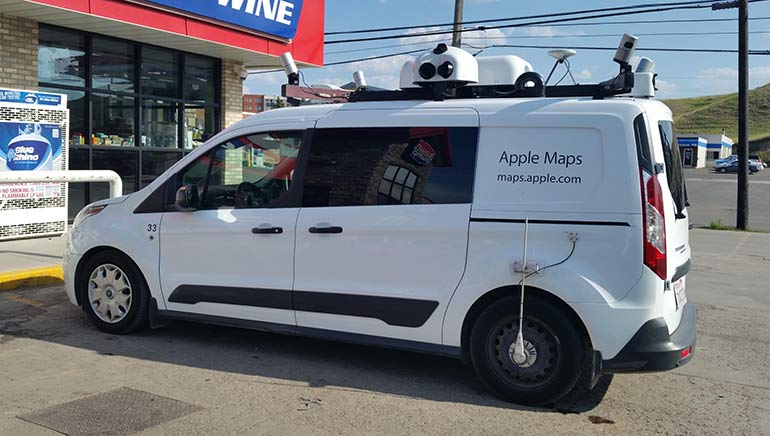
<point x="726" y="161"/>
<point x="733" y="167"/>
<point x="758" y="160"/>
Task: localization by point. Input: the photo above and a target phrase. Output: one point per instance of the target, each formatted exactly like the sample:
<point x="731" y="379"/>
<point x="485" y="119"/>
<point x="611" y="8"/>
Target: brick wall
<point x="232" y="93"/>
<point x="18" y="52"/>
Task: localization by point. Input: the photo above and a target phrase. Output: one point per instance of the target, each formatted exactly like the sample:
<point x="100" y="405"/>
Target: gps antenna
<point x="519" y="357"/>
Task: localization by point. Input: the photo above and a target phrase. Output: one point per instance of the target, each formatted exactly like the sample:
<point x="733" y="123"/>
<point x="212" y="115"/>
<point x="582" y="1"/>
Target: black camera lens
<point x="446" y="69"/>
<point x="427" y="71"/>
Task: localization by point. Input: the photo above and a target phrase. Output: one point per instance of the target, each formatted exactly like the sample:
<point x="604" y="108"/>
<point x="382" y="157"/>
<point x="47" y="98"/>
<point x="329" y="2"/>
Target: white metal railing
<point x="111" y="177"/>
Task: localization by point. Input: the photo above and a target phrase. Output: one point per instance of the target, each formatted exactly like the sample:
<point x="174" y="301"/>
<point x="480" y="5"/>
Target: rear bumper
<point x="653" y="349"/>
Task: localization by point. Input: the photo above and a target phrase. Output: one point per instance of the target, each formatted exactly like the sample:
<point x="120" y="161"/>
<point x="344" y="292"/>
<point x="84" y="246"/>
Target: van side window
<point x="643" y="144"/>
<point x="387" y="166"/>
<point x="250" y="171"/>
<point x="673" y="164"/>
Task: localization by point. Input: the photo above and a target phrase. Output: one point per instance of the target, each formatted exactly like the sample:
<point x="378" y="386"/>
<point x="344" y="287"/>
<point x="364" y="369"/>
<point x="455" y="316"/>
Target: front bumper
<point x="653" y="349"/>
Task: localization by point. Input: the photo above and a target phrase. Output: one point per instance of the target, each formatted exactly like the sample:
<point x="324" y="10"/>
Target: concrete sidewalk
<point x="31" y="262"/>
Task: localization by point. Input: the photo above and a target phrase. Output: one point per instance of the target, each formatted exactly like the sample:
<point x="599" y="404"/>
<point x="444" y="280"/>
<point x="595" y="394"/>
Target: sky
<point x="679" y="74"/>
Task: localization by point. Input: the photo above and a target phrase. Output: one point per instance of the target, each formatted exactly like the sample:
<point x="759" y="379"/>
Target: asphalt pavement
<point x="713" y="196"/>
<point x="239" y="382"/>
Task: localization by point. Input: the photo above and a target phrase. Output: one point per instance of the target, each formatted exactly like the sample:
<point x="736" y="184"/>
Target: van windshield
<point x="674" y="172"/>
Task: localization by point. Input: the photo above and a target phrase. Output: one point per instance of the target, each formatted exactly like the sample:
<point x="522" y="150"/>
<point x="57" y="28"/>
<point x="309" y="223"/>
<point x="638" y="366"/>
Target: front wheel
<point x="553" y="346"/>
<point x="113" y="293"/>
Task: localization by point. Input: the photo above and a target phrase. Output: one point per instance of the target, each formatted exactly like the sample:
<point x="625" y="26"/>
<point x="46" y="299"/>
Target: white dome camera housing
<point x="445" y="64"/>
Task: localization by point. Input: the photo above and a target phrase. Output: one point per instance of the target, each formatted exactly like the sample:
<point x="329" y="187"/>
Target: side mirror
<point x="187" y="198"/>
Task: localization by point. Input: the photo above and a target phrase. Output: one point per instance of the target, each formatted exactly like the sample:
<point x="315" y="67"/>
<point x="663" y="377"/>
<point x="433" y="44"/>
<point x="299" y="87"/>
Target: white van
<point x="411" y="222"/>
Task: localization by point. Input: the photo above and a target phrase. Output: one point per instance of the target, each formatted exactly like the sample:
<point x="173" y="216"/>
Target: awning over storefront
<point x="129" y="20"/>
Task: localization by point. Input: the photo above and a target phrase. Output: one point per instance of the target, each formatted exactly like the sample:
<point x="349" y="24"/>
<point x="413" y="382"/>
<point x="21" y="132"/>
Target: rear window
<point x="673" y="163"/>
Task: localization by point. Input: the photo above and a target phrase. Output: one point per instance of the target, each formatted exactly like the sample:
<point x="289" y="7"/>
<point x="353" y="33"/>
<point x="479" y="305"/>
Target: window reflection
<point x="62" y="57"/>
<point x="199" y="125"/>
<point x="199" y="78"/>
<point x="160" y="124"/>
<point x="160" y="72"/>
<point x="112" y="65"/>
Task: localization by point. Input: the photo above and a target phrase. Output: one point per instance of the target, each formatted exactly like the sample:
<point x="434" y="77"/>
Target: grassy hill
<point x="711" y="114"/>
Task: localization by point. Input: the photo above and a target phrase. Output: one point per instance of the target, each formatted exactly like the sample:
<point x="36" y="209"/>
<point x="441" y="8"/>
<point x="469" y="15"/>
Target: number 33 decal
<point x="152" y="228"/>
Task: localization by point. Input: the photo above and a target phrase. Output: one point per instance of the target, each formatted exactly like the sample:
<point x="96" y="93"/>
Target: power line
<point x="702" y="5"/>
<point x="605" y="35"/>
<point x="681" y="20"/>
<point x="658" y="49"/>
<point x="529" y="17"/>
<point x="542" y="47"/>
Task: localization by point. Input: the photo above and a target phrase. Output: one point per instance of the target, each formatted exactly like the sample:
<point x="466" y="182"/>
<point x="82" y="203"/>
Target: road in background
<point x="713" y="197"/>
<point x="247" y="382"/>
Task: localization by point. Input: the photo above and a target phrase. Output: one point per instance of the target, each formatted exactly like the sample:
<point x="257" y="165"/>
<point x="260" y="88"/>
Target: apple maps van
<point x="538" y="233"/>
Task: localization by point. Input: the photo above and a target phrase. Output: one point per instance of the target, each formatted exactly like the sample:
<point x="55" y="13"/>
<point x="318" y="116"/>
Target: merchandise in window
<point x="113" y="122"/>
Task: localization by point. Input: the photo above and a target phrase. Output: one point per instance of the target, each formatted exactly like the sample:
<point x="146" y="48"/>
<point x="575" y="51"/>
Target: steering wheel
<point x="248" y="195"/>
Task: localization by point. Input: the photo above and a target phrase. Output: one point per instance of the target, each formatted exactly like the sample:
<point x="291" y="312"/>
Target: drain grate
<point x="120" y="412"/>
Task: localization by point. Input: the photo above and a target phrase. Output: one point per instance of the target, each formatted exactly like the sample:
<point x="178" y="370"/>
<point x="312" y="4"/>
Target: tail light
<point x="654" y="225"/>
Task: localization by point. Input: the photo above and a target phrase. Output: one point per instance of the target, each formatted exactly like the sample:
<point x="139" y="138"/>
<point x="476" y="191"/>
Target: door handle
<point x="267" y="230"/>
<point x="325" y="230"/>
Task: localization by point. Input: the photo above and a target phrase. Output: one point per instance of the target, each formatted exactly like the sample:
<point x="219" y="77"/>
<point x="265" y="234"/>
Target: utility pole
<point x="457" y="30"/>
<point x="742" y="220"/>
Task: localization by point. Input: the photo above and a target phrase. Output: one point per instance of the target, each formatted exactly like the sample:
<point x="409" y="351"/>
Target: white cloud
<point x="665" y="89"/>
<point x="543" y="31"/>
<point x="585" y="74"/>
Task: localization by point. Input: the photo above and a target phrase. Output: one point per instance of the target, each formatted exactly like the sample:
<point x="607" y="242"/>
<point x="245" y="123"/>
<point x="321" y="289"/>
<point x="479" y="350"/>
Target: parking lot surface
<point x="243" y="382"/>
<point x="713" y="197"/>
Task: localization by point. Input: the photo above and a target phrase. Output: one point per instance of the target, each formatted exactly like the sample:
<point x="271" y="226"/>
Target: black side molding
<point x="329" y="335"/>
<point x="268" y="298"/>
<point x="402" y="312"/>
<point x="562" y="222"/>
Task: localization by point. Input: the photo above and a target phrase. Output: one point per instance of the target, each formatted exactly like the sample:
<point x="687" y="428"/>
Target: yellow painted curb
<point x="31" y="277"/>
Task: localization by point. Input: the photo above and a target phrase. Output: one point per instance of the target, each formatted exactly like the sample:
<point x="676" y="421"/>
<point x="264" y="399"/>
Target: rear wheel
<point x="553" y="348"/>
<point x="113" y="293"/>
<point x="722" y="170"/>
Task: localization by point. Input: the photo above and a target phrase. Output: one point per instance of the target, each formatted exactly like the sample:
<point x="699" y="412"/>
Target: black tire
<point x="559" y="351"/>
<point x="136" y="315"/>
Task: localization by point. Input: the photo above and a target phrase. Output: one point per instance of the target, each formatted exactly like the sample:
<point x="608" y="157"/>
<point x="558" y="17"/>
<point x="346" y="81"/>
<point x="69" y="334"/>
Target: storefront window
<point x="160" y="124"/>
<point x="112" y="65"/>
<point x="76" y="103"/>
<point x="199" y="125"/>
<point x="62" y="57"/>
<point x="160" y="72"/>
<point x="113" y="120"/>
<point x="154" y="163"/>
<point x="78" y="192"/>
<point x="123" y="162"/>
<point x="200" y="79"/>
<point x="109" y="83"/>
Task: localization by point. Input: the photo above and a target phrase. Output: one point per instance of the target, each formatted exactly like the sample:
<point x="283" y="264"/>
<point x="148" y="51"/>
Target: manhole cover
<point x="123" y="411"/>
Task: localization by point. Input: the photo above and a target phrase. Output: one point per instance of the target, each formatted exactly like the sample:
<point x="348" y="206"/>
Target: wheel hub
<point x="530" y="354"/>
<point x="541" y="353"/>
<point x="109" y="293"/>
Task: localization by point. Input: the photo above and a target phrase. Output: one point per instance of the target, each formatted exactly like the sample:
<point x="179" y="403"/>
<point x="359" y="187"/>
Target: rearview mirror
<point x="187" y="198"/>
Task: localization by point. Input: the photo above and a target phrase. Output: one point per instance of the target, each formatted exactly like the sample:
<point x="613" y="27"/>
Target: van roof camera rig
<point x="452" y="73"/>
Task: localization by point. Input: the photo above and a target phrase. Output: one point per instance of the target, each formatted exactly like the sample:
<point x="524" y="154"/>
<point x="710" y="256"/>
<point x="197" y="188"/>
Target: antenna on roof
<point x="561" y="55"/>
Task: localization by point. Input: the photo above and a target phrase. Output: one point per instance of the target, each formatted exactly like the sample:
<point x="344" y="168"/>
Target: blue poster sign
<point x="30" y="146"/>
<point x="272" y="17"/>
<point x="23" y="97"/>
